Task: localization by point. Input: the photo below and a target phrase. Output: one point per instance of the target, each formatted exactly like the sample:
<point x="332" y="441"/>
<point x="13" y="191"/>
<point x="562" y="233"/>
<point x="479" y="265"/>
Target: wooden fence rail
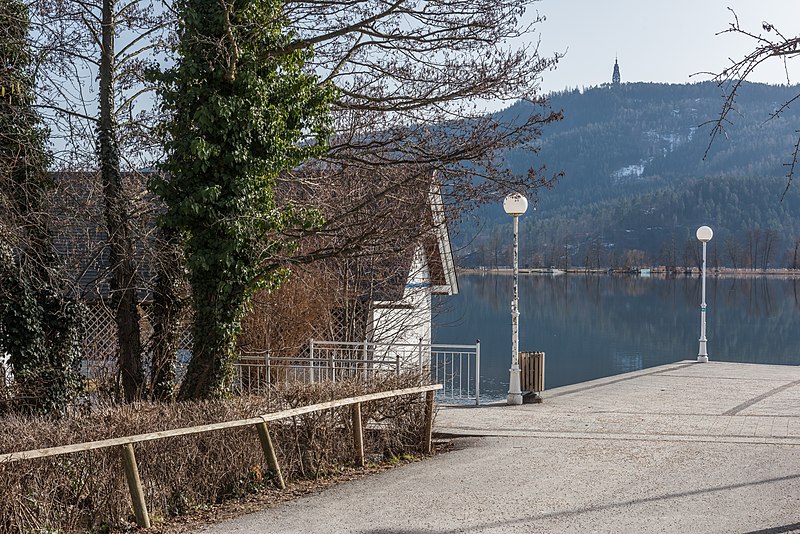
<point x="260" y="422"/>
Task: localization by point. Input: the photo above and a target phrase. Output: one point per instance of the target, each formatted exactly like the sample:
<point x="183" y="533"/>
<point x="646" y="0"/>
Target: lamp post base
<point x="514" y="389"/>
<point x="702" y="354"/>
<point x="514" y="399"/>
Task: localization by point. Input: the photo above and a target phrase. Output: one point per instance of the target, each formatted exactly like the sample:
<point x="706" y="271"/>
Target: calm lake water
<point x="591" y="326"/>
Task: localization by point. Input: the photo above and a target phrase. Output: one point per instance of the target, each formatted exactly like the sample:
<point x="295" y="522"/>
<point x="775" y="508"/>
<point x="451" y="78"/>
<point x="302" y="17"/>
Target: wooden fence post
<point x="135" y="486"/>
<point x="358" y="435"/>
<point x="427" y="431"/>
<point x="129" y="458"/>
<point x="269" y="453"/>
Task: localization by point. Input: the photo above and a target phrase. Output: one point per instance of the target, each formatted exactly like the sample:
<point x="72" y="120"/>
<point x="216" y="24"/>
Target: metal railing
<point x="456" y="367"/>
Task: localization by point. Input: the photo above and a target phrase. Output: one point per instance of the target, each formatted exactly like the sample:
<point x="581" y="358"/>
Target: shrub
<point x="87" y="491"/>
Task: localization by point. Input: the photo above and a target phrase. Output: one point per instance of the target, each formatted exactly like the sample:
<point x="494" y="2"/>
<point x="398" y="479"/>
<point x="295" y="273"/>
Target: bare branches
<point x="232" y="48"/>
<point x="413" y="79"/>
<point x="792" y="164"/>
<point x="770" y="45"/>
<point x="68" y="36"/>
<point x="359" y="26"/>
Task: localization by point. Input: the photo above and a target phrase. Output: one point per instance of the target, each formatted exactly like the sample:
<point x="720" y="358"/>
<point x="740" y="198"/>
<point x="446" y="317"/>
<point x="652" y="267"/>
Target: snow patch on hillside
<point x="628" y="172"/>
<point x="667" y="142"/>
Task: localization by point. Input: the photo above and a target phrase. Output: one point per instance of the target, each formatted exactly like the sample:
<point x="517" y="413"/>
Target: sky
<point x="656" y="40"/>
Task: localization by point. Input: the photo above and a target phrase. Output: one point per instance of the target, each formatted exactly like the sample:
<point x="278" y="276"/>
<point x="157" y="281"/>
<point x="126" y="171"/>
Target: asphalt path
<point x="680" y="448"/>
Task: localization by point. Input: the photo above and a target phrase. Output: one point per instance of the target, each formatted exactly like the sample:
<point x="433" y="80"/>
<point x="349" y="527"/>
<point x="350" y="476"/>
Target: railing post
<point x="269" y="454"/>
<point x="311" y="360"/>
<point x="135" y="486"/>
<point x="358" y="434"/>
<point x="461" y="374"/>
<point x="367" y="366"/>
<point x="332" y="367"/>
<point x="435" y="379"/>
<point x="477" y="372"/>
<point x="427" y="429"/>
<point x="420" y="356"/>
<point x="453" y="374"/>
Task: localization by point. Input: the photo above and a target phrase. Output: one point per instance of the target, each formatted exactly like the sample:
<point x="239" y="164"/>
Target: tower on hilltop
<point x="615" y="77"/>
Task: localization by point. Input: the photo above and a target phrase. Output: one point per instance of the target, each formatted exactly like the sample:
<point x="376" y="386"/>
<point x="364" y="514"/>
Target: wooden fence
<point x="129" y="458"/>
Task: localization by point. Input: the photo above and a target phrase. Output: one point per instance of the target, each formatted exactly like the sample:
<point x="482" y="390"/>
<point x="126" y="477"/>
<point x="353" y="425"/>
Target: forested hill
<point x="637" y="185"/>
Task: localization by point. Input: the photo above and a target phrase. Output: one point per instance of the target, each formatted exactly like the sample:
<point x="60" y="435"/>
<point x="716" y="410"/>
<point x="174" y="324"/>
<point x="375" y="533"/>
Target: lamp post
<point x="515" y="205"/>
<point x="704" y="234"/>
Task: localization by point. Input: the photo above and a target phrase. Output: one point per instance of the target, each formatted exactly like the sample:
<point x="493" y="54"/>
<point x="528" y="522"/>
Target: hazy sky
<point x="656" y="40"/>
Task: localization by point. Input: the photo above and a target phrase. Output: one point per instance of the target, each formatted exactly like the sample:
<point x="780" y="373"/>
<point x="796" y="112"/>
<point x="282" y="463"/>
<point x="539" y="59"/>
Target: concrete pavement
<point x="685" y="447"/>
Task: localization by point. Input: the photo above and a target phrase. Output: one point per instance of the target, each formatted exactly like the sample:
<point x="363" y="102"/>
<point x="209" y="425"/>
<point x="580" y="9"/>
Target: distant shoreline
<point x="661" y="272"/>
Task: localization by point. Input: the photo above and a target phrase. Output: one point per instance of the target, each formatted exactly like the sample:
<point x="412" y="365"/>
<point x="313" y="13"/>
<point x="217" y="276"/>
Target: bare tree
<point x="668" y="253"/>
<point x="634" y="258"/>
<point x="343" y="274"/>
<point x="768" y="249"/>
<point x="567" y="253"/>
<point x="753" y="240"/>
<point x="412" y="77"/>
<point x="108" y="131"/>
<point x="597" y="249"/>
<point x="587" y="258"/>
<point x="715" y="255"/>
<point x="691" y="254"/>
<point x="794" y="262"/>
<point x="732" y="251"/>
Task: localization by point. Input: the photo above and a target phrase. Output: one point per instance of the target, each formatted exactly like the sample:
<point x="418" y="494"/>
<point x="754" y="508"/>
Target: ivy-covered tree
<point x="242" y="109"/>
<point x="39" y="320"/>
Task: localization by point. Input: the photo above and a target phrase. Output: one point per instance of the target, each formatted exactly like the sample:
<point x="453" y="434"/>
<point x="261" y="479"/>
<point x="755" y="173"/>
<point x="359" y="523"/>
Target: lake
<point x="591" y="326"/>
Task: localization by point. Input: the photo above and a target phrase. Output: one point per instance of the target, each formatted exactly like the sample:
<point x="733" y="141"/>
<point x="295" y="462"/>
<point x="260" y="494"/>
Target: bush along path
<point x="180" y="475"/>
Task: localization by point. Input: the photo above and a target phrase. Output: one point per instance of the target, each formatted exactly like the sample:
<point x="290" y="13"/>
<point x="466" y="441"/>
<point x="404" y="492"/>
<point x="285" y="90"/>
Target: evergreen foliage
<point x="41" y="330"/>
<point x="242" y="110"/>
<point x="40" y="323"/>
<point x="637" y="176"/>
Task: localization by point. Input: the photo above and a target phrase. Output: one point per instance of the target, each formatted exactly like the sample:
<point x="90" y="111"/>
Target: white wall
<point x="408" y="321"/>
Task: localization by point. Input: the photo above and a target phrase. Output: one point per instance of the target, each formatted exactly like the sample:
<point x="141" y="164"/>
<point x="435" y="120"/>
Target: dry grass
<point x="87" y="491"/>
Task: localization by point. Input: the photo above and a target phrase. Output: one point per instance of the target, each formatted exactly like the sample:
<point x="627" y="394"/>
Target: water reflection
<point x="595" y="326"/>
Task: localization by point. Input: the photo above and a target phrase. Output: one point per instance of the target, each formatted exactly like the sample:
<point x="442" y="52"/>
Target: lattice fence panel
<point x="99" y="342"/>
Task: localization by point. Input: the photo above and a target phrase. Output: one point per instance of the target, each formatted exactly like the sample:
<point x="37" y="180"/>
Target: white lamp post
<point x="704" y="234"/>
<point x="515" y="205"/>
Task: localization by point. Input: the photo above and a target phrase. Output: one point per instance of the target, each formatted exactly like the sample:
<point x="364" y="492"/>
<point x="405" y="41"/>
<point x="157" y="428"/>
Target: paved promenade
<point x="685" y="447"/>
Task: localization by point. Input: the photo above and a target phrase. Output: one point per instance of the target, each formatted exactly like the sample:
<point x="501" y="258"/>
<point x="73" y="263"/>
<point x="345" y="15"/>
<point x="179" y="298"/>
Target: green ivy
<point x="40" y="323"/>
<point x="41" y="331"/>
<point x="242" y="109"/>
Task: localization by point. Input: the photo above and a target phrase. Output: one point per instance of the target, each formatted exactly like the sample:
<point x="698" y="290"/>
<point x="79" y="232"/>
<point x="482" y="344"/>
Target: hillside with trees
<point x="640" y="175"/>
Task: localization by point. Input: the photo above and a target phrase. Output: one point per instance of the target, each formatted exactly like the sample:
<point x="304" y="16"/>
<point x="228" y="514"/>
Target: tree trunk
<point x="123" y="279"/>
<point x="215" y="326"/>
<point x="166" y="314"/>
